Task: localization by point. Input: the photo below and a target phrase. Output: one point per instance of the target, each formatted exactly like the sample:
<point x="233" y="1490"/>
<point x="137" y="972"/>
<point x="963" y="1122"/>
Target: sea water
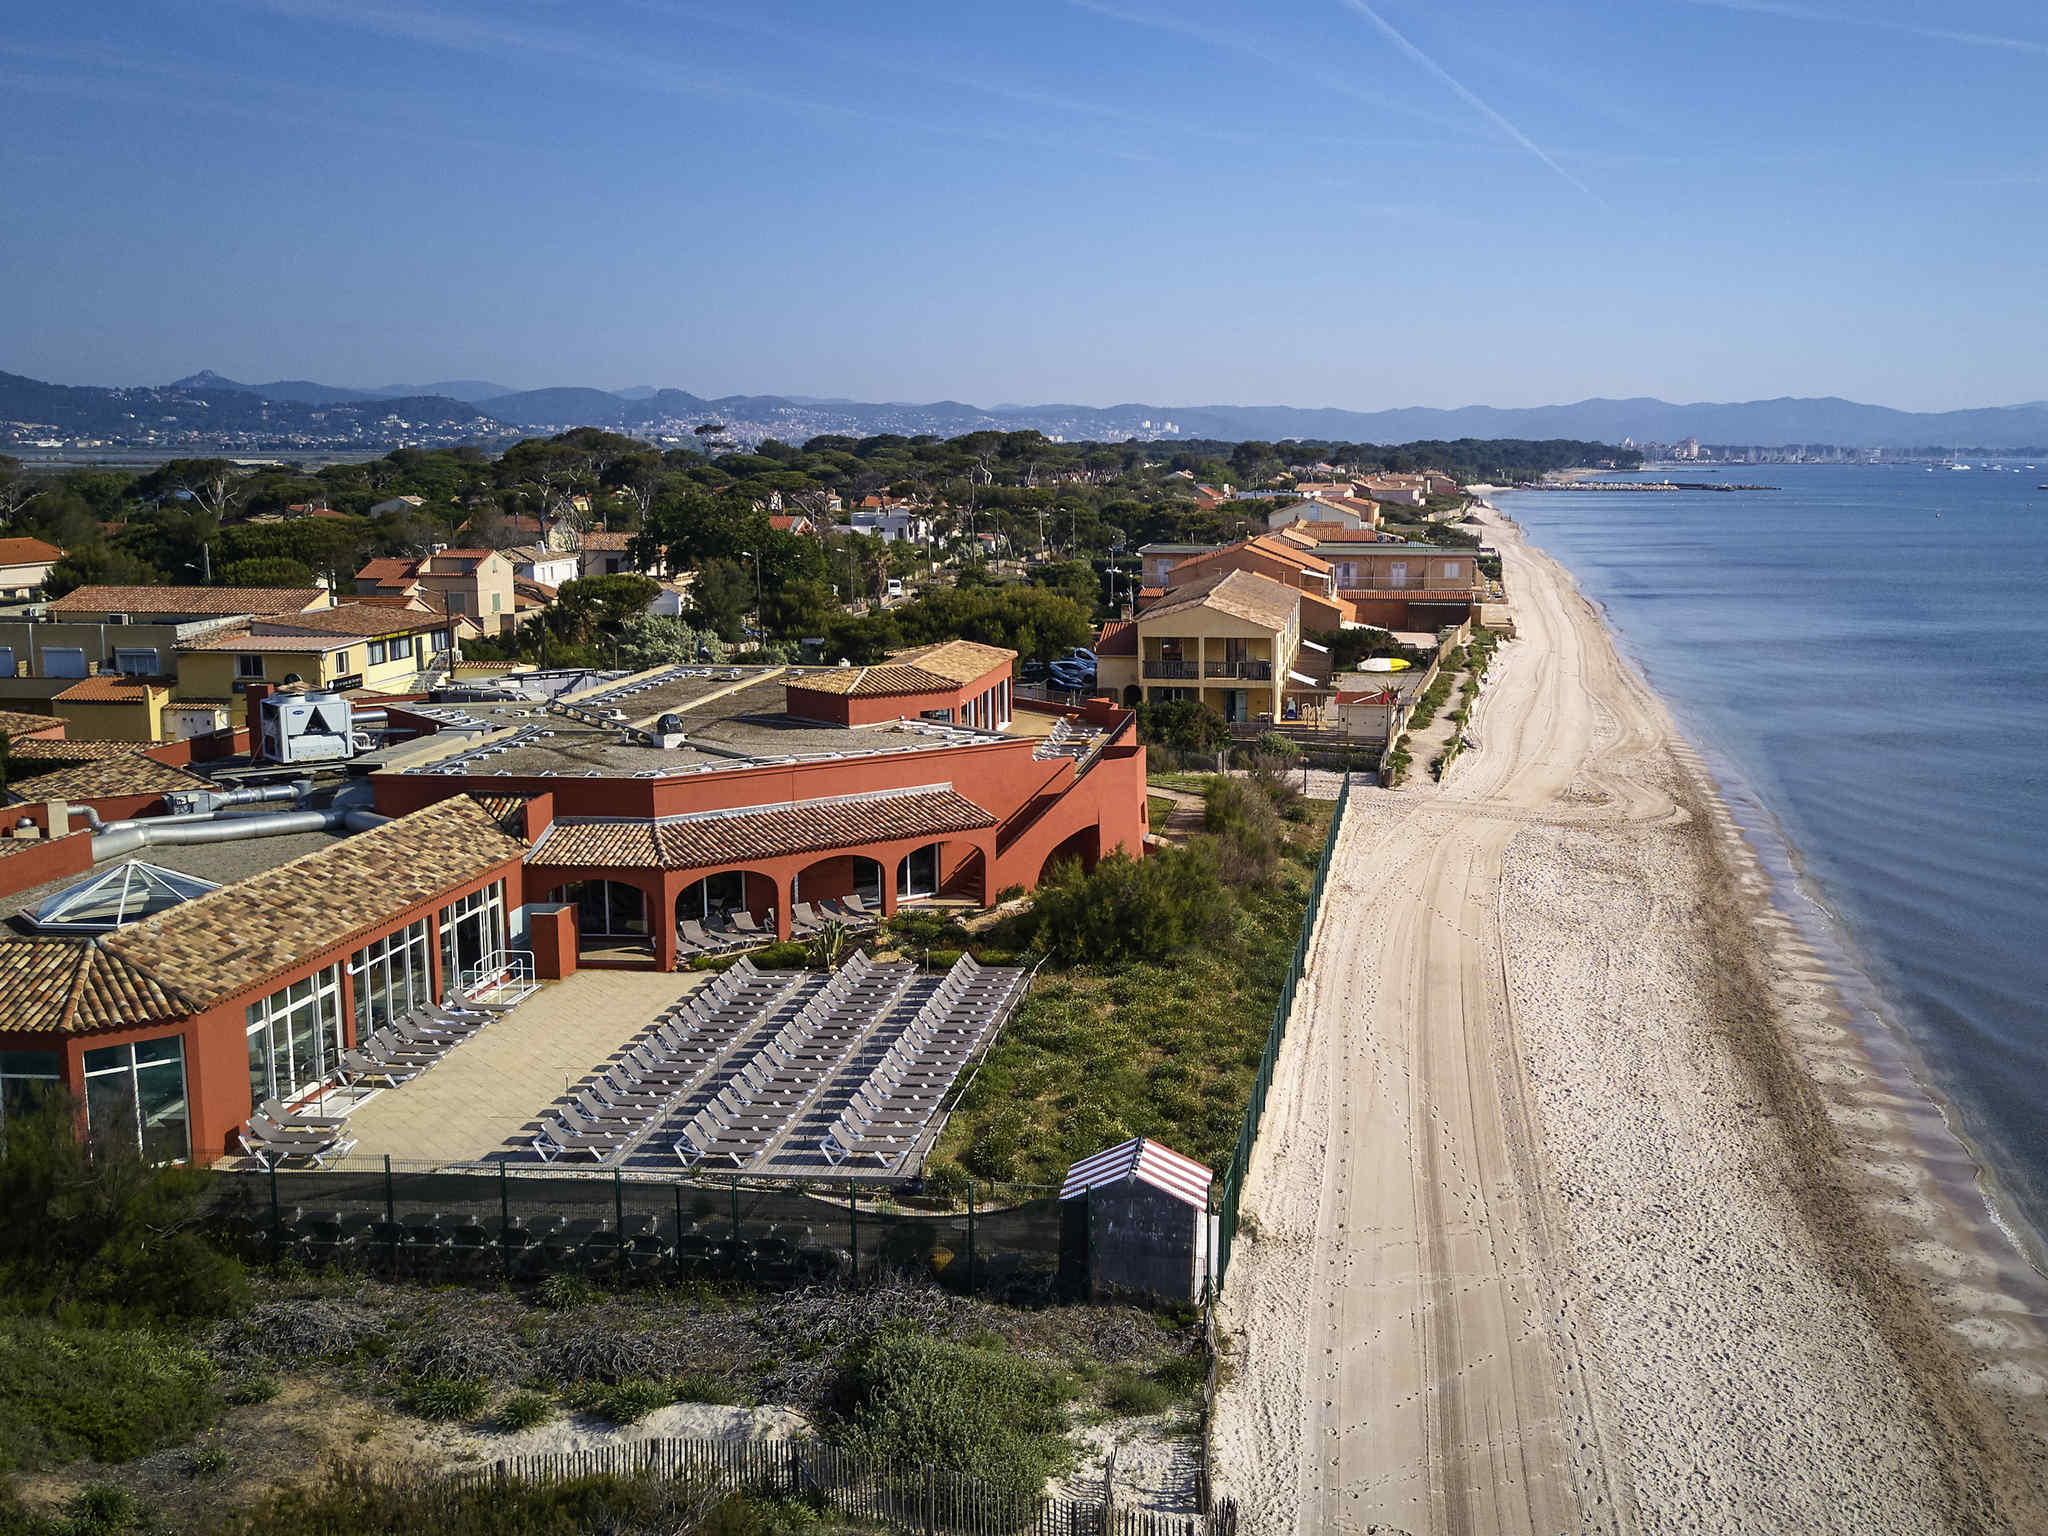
<point x="1864" y="651"/>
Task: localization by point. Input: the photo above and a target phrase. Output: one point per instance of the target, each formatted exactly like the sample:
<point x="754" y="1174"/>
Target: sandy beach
<point x="1582" y="1203"/>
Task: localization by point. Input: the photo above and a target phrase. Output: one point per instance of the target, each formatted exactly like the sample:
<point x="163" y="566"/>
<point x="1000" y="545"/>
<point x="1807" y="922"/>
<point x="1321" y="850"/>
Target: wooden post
<point x="853" y="1225"/>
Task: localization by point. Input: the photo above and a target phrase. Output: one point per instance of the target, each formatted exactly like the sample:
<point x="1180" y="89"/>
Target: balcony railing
<point x="1172" y="669"/>
<point x="1250" y="671"/>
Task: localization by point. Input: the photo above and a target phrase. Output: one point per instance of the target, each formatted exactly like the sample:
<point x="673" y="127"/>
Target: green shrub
<point x="791" y="956"/>
<point x="1126" y="909"/>
<point x="358" y="1500"/>
<point x="1273" y="744"/>
<point x="631" y="1401"/>
<point x="207" y="1461"/>
<point x="1183" y="1375"/>
<point x="558" y="1293"/>
<point x="102" y="1507"/>
<point x="946" y="1180"/>
<point x="1136" y="1396"/>
<point x="251" y="1390"/>
<point x="448" y="1397"/>
<point x="70" y="1394"/>
<point x="89" y="1232"/>
<point x="1246" y="828"/>
<point x="525" y="1410"/>
<point x="908" y="1397"/>
<point x="696" y="1387"/>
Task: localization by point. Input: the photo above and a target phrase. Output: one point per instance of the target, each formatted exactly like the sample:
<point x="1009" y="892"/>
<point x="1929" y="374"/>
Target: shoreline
<point x="1876" y="1018"/>
<point x="1581" y="1203"/>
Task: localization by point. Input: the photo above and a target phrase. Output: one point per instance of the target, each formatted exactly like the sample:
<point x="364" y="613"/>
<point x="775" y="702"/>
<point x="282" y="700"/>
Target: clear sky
<point x="1310" y="202"/>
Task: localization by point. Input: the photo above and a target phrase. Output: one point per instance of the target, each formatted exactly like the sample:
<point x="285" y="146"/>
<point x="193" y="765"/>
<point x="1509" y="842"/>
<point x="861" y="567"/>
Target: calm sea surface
<point x="1864" y="652"/>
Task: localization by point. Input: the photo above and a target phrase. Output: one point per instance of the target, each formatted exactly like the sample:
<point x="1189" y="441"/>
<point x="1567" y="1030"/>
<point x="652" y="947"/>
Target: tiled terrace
<point x="485" y="1097"/>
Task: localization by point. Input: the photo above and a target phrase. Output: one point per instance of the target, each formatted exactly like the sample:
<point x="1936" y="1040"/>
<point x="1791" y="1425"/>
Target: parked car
<point x="1032" y="671"/>
<point x="1066" y="674"/>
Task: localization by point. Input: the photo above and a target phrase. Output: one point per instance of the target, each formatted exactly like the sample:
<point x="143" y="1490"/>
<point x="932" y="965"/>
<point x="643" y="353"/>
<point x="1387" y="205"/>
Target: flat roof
<point x="731" y="717"/>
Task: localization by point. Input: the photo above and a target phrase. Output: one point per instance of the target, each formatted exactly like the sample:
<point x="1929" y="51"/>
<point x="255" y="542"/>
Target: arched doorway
<point x="714" y="895"/>
<point x="1133" y="695"/>
<point x="917" y="874"/>
<point x="843" y="874"/>
<point x="1085" y="845"/>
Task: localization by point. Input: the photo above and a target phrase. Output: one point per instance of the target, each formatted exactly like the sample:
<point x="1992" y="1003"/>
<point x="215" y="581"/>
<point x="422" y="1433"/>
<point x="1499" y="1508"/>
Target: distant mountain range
<point x="206" y="408"/>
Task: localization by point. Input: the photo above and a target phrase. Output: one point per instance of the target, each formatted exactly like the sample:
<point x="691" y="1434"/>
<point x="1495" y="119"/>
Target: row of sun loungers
<point x="1066" y="740"/>
<point x="767" y="1096"/>
<point x="613" y="1108"/>
<point x="892" y="1109"/>
<point x="740" y="929"/>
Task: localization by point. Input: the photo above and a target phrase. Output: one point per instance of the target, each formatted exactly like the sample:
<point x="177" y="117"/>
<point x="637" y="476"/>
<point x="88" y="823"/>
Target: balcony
<point x="1248" y="671"/>
<point x="1172" y="669"/>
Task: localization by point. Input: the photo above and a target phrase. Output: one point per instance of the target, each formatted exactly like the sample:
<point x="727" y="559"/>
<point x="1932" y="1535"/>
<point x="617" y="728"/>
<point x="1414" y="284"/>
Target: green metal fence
<point x="1255" y="1109"/>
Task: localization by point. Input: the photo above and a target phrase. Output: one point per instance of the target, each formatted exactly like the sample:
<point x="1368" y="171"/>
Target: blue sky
<point x="1312" y="202"/>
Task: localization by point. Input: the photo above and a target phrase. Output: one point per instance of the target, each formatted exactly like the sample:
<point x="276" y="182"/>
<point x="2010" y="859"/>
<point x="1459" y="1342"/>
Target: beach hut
<point x="1136" y="1218"/>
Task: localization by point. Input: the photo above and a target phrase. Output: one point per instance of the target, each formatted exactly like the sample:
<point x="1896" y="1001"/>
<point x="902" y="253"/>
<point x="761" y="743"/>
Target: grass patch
<point x="1157" y="809"/>
<point x="525" y="1410"/>
<point x="448" y="1397"/>
<point x="72" y="1394"/>
<point x="1168" y="1048"/>
<point x="629" y="1402"/>
<point x="1135" y="1396"/>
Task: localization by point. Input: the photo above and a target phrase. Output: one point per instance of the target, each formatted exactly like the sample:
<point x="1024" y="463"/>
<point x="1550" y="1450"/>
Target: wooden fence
<point x="910" y="1498"/>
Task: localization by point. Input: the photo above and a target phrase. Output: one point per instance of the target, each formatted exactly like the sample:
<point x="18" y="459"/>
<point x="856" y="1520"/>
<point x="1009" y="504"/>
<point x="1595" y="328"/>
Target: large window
<point x="401" y="647"/>
<point x="378" y="651"/>
<point x="139" y="1091"/>
<point x="471" y="929"/>
<point x="611" y="909"/>
<point x="25" y="1076"/>
<point x="714" y="895"/>
<point x="249" y="666"/>
<point x="295" y="1037"/>
<point x="391" y="977"/>
<point x="63" y="661"/>
<point x="918" y="874"/>
<point x="136" y="661"/>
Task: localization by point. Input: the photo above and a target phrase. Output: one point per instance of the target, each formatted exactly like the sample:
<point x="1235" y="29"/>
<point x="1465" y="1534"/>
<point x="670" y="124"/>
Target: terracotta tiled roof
<point x="243" y="640"/>
<point x="242" y="935"/>
<point x="809" y="826"/>
<point x="108" y="778"/>
<point x="1335" y="533"/>
<point x="508" y="811"/>
<point x="1119" y="637"/>
<point x="870" y="682"/>
<point x="69" y="985"/>
<point x="1255" y="599"/>
<point x="600" y="538"/>
<point x="19" y="723"/>
<point x="209" y="602"/>
<point x="390" y="572"/>
<point x="66" y="749"/>
<point x="960" y="661"/>
<point x="28" y="552"/>
<point x="363" y="621"/>
<point x="109" y="688"/>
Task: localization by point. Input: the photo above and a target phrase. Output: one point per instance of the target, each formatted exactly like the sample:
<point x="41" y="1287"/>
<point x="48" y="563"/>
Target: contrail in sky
<point x="1878" y="23"/>
<point x="1466" y="96"/>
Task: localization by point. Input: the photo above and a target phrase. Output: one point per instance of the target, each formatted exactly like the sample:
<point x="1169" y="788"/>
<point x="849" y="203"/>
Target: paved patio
<point x="489" y="1092"/>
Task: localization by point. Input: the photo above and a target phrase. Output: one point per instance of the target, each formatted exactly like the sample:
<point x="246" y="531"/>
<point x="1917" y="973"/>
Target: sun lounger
<point x="356" y="1067"/>
<point x="269" y="1149"/>
<point x="555" y="1139"/>
<point x="283" y="1114"/>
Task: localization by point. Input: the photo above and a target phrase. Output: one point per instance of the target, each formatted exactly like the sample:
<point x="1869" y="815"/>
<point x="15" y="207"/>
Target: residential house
<point x="608" y="554"/>
<point x="897" y="523"/>
<point x="544" y="565"/>
<point x="355" y="646"/>
<point x="114" y="708"/>
<point x="1421" y="587"/>
<point x="797" y="523"/>
<point x="1230" y="639"/>
<point x="1283" y="560"/>
<point x="470" y="583"/>
<point x="1156" y="560"/>
<point x="25" y="566"/>
<point x="1317" y="490"/>
<point x="397" y="504"/>
<point x="1396" y="490"/>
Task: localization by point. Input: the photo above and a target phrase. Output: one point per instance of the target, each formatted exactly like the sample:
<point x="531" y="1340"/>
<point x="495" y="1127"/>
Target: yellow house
<point x="1230" y="640"/>
<point x="113" y="708"/>
<point x="356" y="646"/>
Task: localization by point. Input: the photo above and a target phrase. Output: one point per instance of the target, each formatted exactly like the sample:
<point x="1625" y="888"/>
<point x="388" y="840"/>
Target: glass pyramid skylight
<point x="126" y="893"/>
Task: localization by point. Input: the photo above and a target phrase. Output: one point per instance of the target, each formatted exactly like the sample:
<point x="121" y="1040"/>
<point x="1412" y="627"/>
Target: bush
<point x="251" y="1390"/>
<point x="92" y="1233"/>
<point x="102" y="1507"/>
<point x="525" y="1410"/>
<point x="1273" y="744"/>
<point x="1127" y="910"/>
<point x="946" y="1180"/>
<point x="908" y="1397"/>
<point x="70" y="1394"/>
<point x="1137" y="1396"/>
<point x="1241" y="818"/>
<point x="448" y="1397"/>
<point x="631" y="1401"/>
<point x="1183" y="725"/>
<point x="207" y="1461"/>
<point x="560" y="1292"/>
<point x="696" y="1387"/>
